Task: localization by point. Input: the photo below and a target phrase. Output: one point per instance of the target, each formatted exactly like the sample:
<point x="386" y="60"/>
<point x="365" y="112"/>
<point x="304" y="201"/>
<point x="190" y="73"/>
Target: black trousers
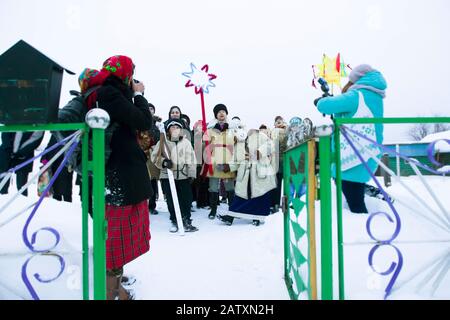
<point x="354" y="194"/>
<point x="201" y="194"/>
<point x="152" y="200"/>
<point x="184" y="192"/>
<point x="21" y="180"/>
<point x="276" y="193"/>
<point x="63" y="186"/>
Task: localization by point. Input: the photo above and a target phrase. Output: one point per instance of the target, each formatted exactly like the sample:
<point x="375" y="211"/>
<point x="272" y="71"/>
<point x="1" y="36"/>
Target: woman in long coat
<point x="128" y="186"/>
<point x="255" y="180"/>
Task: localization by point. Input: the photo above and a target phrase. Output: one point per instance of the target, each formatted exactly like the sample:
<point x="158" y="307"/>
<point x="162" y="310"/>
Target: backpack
<point x="75" y="112"/>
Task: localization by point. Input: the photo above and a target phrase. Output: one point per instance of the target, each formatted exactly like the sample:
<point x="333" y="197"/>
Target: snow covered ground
<point x="217" y="262"/>
<point x="237" y="262"/>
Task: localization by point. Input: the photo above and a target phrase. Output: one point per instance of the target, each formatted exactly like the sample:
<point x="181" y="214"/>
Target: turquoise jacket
<point x="346" y="105"/>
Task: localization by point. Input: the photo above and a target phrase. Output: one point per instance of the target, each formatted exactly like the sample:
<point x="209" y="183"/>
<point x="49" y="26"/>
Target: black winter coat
<point x="11" y="156"/>
<point x="127" y="179"/>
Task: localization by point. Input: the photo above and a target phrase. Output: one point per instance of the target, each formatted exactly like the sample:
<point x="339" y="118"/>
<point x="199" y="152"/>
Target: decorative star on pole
<point x="200" y="79"/>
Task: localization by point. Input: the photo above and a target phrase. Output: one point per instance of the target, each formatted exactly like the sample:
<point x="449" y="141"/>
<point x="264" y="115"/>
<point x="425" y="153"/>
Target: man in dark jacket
<point x="16" y="148"/>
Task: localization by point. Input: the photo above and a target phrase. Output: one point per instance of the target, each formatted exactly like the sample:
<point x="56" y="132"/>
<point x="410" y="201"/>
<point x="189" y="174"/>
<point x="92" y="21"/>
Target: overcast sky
<point x="261" y="50"/>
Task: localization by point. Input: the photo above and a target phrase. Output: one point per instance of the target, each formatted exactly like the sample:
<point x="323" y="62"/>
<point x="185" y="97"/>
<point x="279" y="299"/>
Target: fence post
<point x="286" y="238"/>
<point x="337" y="148"/>
<point x="100" y="227"/>
<point x="325" y="218"/>
<point x="84" y="211"/>
<point x="311" y="178"/>
<point x="384" y="173"/>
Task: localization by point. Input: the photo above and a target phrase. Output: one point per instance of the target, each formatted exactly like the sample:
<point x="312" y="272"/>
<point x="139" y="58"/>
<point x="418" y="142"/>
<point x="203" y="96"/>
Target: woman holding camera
<point x="127" y="182"/>
<point x="362" y="98"/>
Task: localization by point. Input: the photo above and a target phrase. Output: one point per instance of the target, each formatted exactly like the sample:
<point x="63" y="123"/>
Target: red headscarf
<point x="119" y="66"/>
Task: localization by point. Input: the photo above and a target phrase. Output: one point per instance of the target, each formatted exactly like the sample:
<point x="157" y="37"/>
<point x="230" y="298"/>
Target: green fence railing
<point x="296" y="162"/>
<point x="96" y="168"/>
<point x="300" y="266"/>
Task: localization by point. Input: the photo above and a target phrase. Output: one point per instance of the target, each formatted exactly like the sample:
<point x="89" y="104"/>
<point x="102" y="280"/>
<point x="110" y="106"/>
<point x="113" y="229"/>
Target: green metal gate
<point x="97" y="169"/>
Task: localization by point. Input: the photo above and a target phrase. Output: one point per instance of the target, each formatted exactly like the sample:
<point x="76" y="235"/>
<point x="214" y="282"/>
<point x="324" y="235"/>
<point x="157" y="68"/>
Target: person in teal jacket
<point x="361" y="97"/>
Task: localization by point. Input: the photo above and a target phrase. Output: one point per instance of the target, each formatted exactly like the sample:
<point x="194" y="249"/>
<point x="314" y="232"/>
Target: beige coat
<point x="183" y="158"/>
<point x="260" y="173"/>
<point x="221" y="148"/>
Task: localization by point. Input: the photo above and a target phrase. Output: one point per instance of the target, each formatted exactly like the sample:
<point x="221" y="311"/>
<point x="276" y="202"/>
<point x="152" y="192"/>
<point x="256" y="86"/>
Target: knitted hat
<point x="359" y="72"/>
<point x="173" y="122"/>
<point x="218" y="108"/>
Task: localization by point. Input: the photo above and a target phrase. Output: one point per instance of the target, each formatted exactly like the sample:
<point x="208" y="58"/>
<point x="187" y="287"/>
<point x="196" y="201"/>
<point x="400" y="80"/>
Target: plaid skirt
<point x="128" y="234"/>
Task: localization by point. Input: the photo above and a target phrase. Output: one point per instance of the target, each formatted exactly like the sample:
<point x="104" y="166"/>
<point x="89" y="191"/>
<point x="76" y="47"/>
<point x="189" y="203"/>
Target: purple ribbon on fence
<point x="30" y="244"/>
<point x="388" y="150"/>
<point x="395" y="267"/>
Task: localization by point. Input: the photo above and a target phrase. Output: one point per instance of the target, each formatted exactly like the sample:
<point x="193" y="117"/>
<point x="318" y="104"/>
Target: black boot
<point x="228" y="220"/>
<point x="213" y="201"/>
<point x="230" y="196"/>
<point x="188" y="227"/>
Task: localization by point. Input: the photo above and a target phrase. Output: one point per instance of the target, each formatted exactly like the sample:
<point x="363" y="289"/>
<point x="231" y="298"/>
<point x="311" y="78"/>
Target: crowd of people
<point x="211" y="163"/>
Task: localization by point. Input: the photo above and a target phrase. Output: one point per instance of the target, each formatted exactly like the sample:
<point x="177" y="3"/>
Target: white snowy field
<point x="218" y="262"/>
<point x="240" y="262"/>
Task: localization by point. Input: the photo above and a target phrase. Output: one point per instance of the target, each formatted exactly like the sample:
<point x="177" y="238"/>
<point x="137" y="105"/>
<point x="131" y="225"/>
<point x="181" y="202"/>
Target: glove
<point x="167" y="164"/>
<point x="161" y="128"/>
<point x="317" y="101"/>
<point x="323" y="96"/>
<point x="226" y="168"/>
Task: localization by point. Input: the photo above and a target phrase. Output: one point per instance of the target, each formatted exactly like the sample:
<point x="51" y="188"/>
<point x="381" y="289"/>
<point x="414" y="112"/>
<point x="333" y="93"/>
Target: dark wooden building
<point x="30" y="86"/>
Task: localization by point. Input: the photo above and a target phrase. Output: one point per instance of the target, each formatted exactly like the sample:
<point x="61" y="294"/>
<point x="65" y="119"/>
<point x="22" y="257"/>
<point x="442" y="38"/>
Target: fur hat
<point x="218" y="108"/>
